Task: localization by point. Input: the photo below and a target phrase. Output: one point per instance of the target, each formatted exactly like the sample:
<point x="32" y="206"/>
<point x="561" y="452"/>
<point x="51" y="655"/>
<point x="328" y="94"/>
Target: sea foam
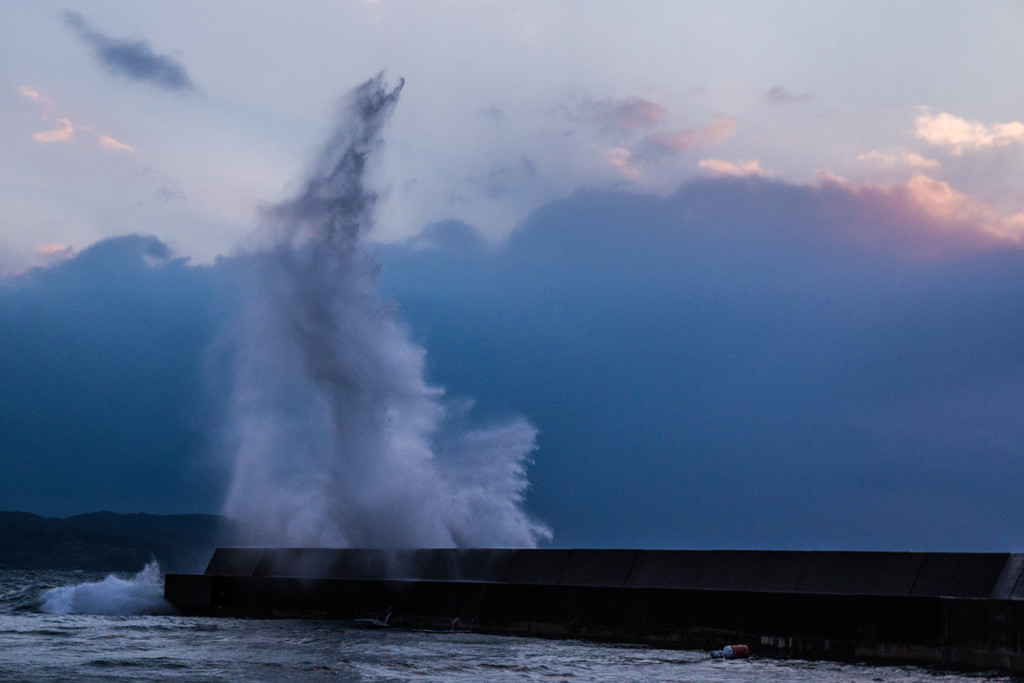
<point x="141" y="594"/>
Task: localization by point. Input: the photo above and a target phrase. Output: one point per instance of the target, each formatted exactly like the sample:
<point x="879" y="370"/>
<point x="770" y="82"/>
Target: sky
<point x="753" y="271"/>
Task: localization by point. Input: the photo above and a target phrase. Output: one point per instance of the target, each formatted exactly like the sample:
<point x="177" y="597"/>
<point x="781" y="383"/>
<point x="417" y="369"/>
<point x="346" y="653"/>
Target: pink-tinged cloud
<point x="744" y="167"/>
<point x="50" y="249"/>
<point x="619" y="159"/>
<point x="898" y="159"/>
<point x="957" y="134"/>
<point x="720" y="130"/>
<point x="111" y="143"/>
<point x="664" y="143"/>
<point x="936" y="221"/>
<point x="674" y="143"/>
<point x="54" y="253"/>
<point x="942" y="201"/>
<point x="65" y="132"/>
<point x="35" y="96"/>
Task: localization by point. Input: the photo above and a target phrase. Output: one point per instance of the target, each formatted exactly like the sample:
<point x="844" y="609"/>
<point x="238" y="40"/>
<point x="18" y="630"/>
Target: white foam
<point x="141" y="594"/>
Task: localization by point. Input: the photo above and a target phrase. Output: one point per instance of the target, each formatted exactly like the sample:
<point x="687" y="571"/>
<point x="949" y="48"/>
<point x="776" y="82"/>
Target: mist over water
<point x="337" y="438"/>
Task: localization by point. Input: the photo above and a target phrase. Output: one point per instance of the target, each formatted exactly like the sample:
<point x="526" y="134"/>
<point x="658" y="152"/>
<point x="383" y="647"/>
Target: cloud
<point x="625" y="114"/>
<point x="50" y="249"/>
<point x="502" y="177"/>
<point x="849" y="359"/>
<point x="134" y="59"/>
<point x="898" y="159"/>
<point x="450" y="236"/>
<point x="111" y="143"/>
<point x="958" y="221"/>
<point x="65" y="132"/>
<point x="957" y="134"/>
<point x="44" y="102"/>
<point x="672" y="144"/>
<point x="849" y="355"/>
<point x="103" y="367"/>
<point x="619" y="159"/>
<point x="67" y="129"/>
<point x="720" y="130"/>
<point x="729" y="168"/>
<point x="780" y="95"/>
<point x="939" y="199"/>
<point x="50" y="254"/>
<point x="166" y="189"/>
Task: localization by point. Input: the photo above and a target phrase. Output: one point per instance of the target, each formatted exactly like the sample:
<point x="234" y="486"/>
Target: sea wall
<point x="949" y="609"/>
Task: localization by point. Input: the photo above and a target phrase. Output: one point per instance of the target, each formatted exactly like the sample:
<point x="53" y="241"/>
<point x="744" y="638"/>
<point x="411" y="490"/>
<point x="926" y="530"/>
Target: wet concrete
<point x="947" y="609"/>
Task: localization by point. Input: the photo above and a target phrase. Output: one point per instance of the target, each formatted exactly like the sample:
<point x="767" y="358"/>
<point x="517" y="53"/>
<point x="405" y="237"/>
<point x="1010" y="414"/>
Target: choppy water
<point x="138" y="644"/>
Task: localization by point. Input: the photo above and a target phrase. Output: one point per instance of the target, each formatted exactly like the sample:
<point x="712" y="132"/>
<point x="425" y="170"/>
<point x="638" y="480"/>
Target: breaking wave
<point x="336" y="437"/>
<point x="141" y="594"/>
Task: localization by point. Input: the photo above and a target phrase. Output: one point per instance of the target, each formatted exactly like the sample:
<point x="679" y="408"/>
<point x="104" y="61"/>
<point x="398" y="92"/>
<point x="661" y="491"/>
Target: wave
<point x="141" y="594"/>
<point x="337" y="437"/>
<point x="21" y="598"/>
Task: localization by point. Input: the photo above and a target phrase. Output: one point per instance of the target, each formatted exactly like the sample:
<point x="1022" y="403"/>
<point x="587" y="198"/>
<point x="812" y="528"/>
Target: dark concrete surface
<point x="945" y="609"/>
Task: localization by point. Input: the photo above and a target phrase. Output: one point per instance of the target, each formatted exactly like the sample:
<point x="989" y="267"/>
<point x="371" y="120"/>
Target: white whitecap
<point x="141" y="594"/>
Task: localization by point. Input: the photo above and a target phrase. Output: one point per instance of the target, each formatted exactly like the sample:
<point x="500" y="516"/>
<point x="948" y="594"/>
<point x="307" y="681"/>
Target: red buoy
<point x="736" y="651"/>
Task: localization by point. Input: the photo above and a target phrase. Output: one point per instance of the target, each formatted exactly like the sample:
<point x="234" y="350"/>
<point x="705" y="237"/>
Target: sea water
<point x="74" y="626"/>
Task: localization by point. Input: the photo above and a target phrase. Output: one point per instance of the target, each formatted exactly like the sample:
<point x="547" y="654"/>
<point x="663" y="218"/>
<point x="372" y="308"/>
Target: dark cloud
<point x="743" y="364"/>
<point x="102" y="374"/>
<point x="134" y="59"/>
<point x="780" y="95"/>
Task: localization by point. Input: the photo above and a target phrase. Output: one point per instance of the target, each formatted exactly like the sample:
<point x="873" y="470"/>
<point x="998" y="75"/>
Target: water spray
<point x="336" y="437"/>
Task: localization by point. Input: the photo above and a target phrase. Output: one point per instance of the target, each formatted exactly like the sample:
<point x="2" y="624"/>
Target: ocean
<point x="80" y="626"/>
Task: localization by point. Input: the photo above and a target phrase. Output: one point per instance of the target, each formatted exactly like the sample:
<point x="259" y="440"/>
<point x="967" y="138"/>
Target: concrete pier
<point x="948" y="609"/>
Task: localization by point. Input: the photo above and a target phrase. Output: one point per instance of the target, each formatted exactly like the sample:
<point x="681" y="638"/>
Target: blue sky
<point x="753" y="271"/>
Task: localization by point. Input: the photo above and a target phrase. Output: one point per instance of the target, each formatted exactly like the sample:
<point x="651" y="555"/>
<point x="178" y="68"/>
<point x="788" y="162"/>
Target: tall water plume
<point x="337" y="438"/>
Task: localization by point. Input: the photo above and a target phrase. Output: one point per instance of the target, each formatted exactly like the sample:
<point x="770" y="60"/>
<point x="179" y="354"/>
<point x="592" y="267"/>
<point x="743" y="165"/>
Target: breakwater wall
<point x="947" y="609"/>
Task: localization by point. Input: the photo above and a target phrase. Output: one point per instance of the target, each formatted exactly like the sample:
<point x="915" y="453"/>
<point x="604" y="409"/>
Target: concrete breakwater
<point x="949" y="609"/>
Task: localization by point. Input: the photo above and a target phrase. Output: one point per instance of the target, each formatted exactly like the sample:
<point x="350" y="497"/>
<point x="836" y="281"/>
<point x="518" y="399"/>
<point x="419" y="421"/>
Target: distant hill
<point x="107" y="541"/>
